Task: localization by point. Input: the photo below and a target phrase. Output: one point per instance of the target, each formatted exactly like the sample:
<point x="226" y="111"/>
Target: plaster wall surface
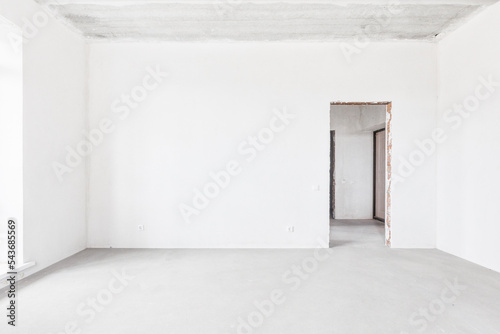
<point x="11" y="137"/>
<point x="54" y="116"/>
<point x="468" y="162"/>
<point x="216" y="96"/>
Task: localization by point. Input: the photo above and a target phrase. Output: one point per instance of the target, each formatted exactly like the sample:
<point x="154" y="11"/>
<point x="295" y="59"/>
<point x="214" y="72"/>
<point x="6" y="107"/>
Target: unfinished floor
<point x="359" y="287"/>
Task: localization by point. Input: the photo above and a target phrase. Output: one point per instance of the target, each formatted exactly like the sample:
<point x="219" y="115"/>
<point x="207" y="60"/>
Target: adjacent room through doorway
<point x="359" y="191"/>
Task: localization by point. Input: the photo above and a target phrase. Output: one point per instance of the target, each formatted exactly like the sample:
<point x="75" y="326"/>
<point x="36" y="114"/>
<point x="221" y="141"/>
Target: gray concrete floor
<point x="358" y="286"/>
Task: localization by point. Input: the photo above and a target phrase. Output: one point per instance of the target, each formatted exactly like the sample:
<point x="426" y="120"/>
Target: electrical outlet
<point x="140" y="227"/>
<point x="291" y="228"/>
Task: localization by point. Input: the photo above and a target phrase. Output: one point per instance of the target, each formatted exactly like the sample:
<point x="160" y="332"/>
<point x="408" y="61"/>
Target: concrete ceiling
<point x="261" y="20"/>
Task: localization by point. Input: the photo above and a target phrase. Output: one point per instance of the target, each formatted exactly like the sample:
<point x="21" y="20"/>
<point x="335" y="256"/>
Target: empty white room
<point x="246" y="167"/>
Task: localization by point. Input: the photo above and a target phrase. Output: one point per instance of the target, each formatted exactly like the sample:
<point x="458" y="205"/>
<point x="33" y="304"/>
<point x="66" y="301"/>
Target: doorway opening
<point x="360" y="172"/>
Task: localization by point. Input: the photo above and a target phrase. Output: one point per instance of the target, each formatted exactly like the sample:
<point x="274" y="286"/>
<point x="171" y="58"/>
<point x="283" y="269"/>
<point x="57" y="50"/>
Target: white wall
<point x="468" y="174"/>
<point x="54" y="67"/>
<point x="11" y="136"/>
<point x="354" y="126"/>
<point x="219" y="94"/>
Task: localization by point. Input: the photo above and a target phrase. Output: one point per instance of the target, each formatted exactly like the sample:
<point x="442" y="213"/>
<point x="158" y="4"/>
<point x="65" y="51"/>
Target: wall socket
<point x="291" y="228"/>
<point x="140" y="227"/>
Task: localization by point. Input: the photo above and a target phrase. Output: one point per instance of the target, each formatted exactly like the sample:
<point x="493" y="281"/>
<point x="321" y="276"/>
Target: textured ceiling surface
<point x="259" y="20"/>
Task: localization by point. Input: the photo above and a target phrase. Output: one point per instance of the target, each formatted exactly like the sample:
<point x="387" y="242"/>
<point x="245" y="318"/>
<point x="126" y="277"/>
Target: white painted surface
<point x="354" y="126"/>
<point x="468" y="162"/>
<point x="223" y="20"/>
<point x="217" y="96"/>
<point x="11" y="138"/>
<point x="54" y="116"/>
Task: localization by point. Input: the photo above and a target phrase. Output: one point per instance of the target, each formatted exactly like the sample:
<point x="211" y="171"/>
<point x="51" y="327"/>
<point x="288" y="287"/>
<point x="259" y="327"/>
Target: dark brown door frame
<point x="375" y="173"/>
<point x="332" y="174"/>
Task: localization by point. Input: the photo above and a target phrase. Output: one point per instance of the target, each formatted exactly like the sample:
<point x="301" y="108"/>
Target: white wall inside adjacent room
<point x="354" y="126"/>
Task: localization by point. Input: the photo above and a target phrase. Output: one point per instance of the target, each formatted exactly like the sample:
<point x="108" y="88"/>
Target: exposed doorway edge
<point x="388" y="171"/>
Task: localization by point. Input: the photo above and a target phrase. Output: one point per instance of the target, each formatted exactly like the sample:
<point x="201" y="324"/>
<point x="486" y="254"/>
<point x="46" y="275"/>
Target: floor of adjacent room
<point x="356" y="286"/>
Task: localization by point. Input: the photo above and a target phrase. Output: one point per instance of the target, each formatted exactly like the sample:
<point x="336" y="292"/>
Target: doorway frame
<point x="332" y="175"/>
<point x="375" y="175"/>
<point x="388" y="160"/>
